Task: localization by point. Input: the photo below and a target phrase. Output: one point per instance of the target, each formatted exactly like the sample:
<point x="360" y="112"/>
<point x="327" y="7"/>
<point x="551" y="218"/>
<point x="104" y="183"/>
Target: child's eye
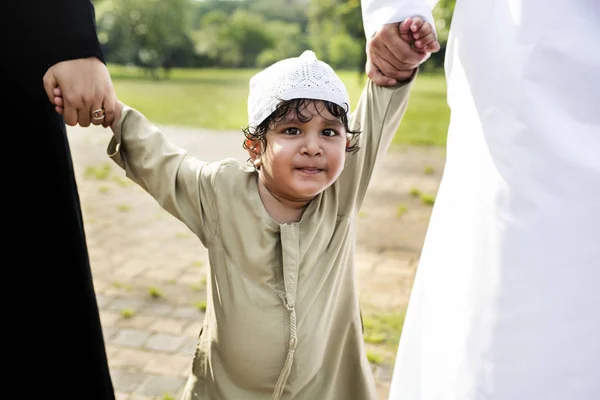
<point x="292" y="131"/>
<point x="329" y="132"/>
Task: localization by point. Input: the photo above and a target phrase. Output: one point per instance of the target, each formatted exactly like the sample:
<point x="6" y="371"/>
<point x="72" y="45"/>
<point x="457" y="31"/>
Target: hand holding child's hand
<point x="59" y="107"/>
<point x="419" y="34"/>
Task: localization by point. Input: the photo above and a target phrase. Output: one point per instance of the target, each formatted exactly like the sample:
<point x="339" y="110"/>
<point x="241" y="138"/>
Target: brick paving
<point x="150" y="271"/>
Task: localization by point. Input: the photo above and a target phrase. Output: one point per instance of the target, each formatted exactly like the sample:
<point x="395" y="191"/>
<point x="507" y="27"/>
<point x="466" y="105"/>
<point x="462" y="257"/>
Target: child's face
<point x="302" y="159"/>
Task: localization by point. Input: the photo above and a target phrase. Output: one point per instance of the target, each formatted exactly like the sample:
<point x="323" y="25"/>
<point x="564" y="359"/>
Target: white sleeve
<point x="376" y="13"/>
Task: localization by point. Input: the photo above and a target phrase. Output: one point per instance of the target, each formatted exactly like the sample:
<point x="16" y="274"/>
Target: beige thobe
<point x="282" y="317"/>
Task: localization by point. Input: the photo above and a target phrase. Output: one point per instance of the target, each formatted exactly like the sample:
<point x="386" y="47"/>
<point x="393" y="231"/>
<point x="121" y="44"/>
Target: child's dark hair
<point x="297" y="108"/>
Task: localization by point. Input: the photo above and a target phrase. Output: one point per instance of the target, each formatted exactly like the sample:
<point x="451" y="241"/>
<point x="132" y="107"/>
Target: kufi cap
<point x="303" y="77"/>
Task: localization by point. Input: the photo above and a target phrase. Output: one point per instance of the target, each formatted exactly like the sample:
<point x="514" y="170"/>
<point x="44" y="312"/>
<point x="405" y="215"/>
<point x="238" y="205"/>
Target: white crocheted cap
<point x="303" y="77"/>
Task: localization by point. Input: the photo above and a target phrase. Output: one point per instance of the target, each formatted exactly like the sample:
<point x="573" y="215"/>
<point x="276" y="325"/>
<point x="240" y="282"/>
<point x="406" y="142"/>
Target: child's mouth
<point x="310" y="170"/>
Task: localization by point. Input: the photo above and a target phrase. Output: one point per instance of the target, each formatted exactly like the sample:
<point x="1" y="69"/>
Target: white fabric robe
<point x="506" y="301"/>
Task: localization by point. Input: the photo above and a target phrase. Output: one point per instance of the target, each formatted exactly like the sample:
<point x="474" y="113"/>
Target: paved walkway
<point x="150" y="271"/>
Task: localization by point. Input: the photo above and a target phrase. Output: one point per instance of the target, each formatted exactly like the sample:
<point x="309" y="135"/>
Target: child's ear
<point x="254" y="150"/>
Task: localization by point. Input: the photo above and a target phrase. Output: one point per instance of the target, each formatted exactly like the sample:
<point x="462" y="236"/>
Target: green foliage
<point x="343" y="51"/>
<point x="242" y="33"/>
<point x="148" y="33"/>
<point x="235" y="40"/>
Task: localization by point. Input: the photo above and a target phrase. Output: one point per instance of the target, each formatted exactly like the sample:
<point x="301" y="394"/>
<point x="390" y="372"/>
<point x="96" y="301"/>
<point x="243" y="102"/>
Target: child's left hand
<point x="420" y="34"/>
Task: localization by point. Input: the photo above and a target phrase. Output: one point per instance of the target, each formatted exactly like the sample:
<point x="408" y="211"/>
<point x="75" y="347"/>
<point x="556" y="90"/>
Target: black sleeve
<point x="72" y="30"/>
<point x="42" y="33"/>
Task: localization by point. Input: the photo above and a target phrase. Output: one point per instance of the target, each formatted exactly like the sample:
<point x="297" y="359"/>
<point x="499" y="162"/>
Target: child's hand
<point x="59" y="103"/>
<point x="419" y="34"/>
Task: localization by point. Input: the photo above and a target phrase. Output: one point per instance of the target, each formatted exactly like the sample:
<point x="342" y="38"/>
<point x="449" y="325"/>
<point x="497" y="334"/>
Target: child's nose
<point x="312" y="146"/>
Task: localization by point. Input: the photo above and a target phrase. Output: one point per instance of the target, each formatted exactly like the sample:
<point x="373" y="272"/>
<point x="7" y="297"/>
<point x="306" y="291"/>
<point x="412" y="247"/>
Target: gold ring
<point x="98" y="114"/>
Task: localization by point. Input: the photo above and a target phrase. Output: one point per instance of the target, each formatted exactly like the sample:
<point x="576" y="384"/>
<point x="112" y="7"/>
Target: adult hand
<point x="389" y="58"/>
<point x="86" y="86"/>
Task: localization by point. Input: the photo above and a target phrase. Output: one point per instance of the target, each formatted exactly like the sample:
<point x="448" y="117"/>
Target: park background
<point x="186" y="65"/>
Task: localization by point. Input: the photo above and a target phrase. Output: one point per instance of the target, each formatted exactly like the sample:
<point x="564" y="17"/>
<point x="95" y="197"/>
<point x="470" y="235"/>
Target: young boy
<point x="282" y="317"/>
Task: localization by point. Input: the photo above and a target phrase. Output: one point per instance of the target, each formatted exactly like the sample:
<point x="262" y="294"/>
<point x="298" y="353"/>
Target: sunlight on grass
<point x="401" y="210"/>
<point x="427" y="199"/>
<point x="217" y="99"/>
<point x="101" y="172"/>
<point x="201" y="305"/>
<point x="414" y="192"/>
<point x="127" y="313"/>
<point x="124" y="207"/>
<point x="155" y="292"/>
<point x="382" y="333"/>
<point x="373" y="357"/>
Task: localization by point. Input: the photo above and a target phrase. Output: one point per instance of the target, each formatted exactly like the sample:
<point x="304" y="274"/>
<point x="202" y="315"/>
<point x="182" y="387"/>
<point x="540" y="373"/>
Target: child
<point x="282" y="317"/>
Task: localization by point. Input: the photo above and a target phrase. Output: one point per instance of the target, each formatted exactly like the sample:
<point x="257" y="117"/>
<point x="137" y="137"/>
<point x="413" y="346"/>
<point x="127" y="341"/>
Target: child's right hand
<point x="59" y="104"/>
<point x="419" y="33"/>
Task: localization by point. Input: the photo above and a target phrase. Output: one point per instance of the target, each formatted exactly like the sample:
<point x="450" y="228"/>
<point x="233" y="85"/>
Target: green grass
<point x="100" y="173"/>
<point x="427" y="199"/>
<point x="217" y="99"/>
<point x="127" y="313"/>
<point x="201" y="305"/>
<point x="401" y="210"/>
<point x="374" y="358"/>
<point x="155" y="292"/>
<point x="382" y="334"/>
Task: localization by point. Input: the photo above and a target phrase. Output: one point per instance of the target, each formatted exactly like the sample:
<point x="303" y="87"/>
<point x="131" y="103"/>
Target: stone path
<point x="150" y="271"/>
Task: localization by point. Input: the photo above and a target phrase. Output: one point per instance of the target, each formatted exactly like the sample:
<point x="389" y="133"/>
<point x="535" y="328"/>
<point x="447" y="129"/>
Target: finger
<point x="433" y="47"/>
<point x="384" y="66"/>
<point x="49" y="83"/>
<point x="59" y="109"/>
<point x="97" y="108"/>
<point x="404" y="26"/>
<point x="392" y="73"/>
<point x="383" y="58"/>
<point x="110" y="103"/>
<point x="84" y="115"/>
<point x="69" y="115"/>
<point x="396" y="51"/>
<point x="377" y="77"/>
<point x="57" y="92"/>
<point x="58" y="101"/>
<point x="416" y="25"/>
<point x="117" y="115"/>
<point x="404" y="60"/>
<point x="425" y="30"/>
<point x="425" y="41"/>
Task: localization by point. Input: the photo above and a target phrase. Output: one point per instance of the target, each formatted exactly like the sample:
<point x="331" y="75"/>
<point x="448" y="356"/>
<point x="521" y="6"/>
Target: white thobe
<point x="506" y="299"/>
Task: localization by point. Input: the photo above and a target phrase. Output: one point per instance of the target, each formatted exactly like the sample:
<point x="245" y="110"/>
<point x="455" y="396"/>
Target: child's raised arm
<point x="377" y="115"/>
<point x="181" y="184"/>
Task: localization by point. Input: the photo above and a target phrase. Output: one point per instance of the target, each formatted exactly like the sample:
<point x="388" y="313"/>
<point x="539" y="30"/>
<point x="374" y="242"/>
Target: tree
<point x="149" y="33"/>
